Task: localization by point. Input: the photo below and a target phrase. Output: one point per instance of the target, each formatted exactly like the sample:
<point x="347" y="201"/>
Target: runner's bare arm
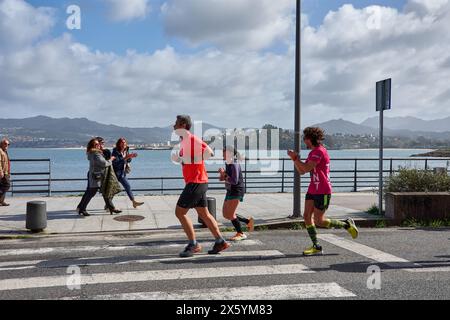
<point x="301" y="166"/>
<point x="208" y="153"/>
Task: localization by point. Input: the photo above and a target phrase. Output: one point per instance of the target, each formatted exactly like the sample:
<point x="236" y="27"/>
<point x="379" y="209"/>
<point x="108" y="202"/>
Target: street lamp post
<point x="297" y="127"/>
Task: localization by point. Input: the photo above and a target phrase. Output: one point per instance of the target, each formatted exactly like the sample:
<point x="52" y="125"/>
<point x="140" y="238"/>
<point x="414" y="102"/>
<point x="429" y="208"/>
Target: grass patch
<point x="261" y="228"/>
<point x="381" y="224"/>
<point x="373" y="210"/>
<point x="297" y="226"/>
<point x="227" y="229"/>
<point x="416" y="223"/>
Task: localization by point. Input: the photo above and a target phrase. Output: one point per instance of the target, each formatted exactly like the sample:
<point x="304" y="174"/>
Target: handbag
<point x="128" y="168"/>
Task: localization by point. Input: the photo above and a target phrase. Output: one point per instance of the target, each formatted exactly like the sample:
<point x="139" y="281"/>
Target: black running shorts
<point x="194" y="196"/>
<point x="321" y="201"/>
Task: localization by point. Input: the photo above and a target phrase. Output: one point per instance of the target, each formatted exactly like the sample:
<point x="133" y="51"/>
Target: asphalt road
<point x="413" y="264"/>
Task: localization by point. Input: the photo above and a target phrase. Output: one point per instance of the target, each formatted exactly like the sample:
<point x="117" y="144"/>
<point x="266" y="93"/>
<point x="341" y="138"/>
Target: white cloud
<point x="65" y="78"/>
<point x="126" y="10"/>
<point x="229" y="24"/>
<point x="342" y="60"/>
<point x="21" y="24"/>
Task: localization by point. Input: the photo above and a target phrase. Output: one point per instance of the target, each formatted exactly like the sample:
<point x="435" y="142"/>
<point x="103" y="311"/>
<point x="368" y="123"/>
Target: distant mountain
<point x="66" y="132"/>
<point x="350" y="128"/>
<point x="345" y="127"/>
<point x="407" y="123"/>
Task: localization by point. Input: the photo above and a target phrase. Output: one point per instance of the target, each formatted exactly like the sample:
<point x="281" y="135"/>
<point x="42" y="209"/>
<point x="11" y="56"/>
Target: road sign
<point x="384" y="94"/>
<point x="383" y="102"/>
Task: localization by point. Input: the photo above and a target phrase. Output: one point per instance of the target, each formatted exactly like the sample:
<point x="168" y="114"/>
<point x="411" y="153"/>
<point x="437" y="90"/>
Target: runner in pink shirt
<point x="319" y="192"/>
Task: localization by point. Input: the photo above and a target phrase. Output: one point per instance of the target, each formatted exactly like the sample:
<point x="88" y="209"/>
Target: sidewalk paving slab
<point x="159" y="212"/>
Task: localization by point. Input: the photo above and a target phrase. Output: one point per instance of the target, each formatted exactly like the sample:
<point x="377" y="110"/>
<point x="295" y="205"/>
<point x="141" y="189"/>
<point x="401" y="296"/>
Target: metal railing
<point x="356" y="174"/>
<point x="32" y="182"/>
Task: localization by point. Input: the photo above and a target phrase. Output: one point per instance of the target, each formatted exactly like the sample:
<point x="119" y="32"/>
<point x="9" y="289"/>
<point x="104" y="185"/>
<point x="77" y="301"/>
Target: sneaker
<point x="313" y="251"/>
<point x="218" y="247"/>
<point x="251" y="224"/>
<point x="190" y="250"/>
<point x="353" y="230"/>
<point x="238" y="237"/>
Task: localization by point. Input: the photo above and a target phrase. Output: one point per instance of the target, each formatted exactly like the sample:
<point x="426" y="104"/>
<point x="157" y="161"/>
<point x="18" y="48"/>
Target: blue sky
<point x="99" y="32"/>
<point x="318" y="9"/>
<point x="224" y="62"/>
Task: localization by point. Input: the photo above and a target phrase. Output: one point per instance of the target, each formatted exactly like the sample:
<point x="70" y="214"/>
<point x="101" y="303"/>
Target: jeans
<point x="124" y="181"/>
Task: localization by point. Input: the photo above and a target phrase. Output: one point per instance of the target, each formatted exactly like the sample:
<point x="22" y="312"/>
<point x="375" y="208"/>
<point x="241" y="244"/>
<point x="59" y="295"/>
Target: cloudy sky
<point x="227" y="62"/>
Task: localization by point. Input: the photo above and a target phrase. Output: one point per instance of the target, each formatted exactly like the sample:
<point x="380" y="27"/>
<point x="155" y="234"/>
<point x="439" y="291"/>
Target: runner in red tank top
<point x="192" y="155"/>
<point x="319" y="191"/>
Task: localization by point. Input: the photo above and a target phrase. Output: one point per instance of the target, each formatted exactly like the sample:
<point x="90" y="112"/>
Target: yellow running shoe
<point x="313" y="251"/>
<point x="353" y="230"/>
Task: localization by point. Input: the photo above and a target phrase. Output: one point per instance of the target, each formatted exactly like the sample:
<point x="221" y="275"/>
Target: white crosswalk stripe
<point x="155" y="275"/>
<point x="276" y="292"/>
<point x="116" y="256"/>
<point x="66" y="250"/>
<point x="89" y="262"/>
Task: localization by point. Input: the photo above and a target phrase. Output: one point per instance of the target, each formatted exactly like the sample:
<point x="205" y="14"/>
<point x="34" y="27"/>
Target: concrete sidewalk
<point x="158" y="212"/>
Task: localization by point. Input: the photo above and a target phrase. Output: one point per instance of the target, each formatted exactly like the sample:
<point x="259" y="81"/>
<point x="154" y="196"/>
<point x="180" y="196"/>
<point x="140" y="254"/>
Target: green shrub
<point x="374" y="210"/>
<point x="414" y="180"/>
<point x="381" y="224"/>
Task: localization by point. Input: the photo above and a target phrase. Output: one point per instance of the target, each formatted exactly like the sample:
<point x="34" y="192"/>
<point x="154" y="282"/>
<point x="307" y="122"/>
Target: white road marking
<point x="84" y="262"/>
<point x="276" y="292"/>
<point x="68" y="250"/>
<point x="154" y="275"/>
<point x="368" y="252"/>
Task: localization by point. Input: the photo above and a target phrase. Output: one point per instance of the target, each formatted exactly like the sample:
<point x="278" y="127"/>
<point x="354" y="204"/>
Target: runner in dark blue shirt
<point x="234" y="183"/>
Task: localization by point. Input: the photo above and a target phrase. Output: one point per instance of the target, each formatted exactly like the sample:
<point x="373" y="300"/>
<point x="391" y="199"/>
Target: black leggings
<point x="89" y="194"/>
<point x="87" y="197"/>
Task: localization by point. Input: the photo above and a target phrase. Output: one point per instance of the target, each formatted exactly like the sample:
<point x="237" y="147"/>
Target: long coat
<point x="4" y="162"/>
<point x="97" y="168"/>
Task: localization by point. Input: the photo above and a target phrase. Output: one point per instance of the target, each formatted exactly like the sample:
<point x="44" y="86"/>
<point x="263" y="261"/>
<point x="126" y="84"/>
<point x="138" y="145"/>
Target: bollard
<point x="211" y="209"/>
<point x="36" y="219"/>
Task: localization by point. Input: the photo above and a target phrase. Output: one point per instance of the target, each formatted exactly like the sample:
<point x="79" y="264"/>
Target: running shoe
<point x="353" y="230"/>
<point x="218" y="247"/>
<point x="190" y="250"/>
<point x="313" y="251"/>
<point x="251" y="224"/>
<point x="239" y="237"/>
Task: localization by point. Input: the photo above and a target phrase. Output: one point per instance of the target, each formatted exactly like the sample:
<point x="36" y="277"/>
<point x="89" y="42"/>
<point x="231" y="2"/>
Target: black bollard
<point x="36" y="219"/>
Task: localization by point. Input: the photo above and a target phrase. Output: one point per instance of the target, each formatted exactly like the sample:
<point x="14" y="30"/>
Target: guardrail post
<point x="162" y="185"/>
<point x="355" y="177"/>
<point x="245" y="172"/>
<point x="426" y="164"/>
<point x="282" y="178"/>
<point x="49" y="178"/>
<point x="391" y="168"/>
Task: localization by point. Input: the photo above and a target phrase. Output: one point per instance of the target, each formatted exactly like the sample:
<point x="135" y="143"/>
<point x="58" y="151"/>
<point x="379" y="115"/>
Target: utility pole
<point x="297" y="126"/>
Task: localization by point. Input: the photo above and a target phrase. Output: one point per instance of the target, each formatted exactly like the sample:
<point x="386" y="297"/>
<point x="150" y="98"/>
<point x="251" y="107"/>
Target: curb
<point x="284" y="224"/>
<point x="299" y="223"/>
